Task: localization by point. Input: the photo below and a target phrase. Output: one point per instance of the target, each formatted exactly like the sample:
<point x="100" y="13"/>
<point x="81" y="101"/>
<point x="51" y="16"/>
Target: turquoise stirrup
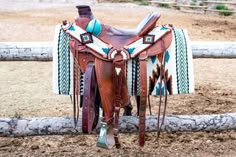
<point x="106" y="136"/>
<point x="94" y="27"/>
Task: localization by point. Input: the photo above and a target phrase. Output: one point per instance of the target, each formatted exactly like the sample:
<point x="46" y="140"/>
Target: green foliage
<point x="143" y="2"/>
<point x="201" y="4"/>
<point x="178" y="8"/>
<point x="164" y="5"/>
<point x="193" y="3"/>
<point x="222" y="7"/>
<point x="225" y="11"/>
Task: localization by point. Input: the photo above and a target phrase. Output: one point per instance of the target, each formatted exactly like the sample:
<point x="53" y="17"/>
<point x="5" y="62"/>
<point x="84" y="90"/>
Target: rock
<point x="208" y="142"/>
<point x="34" y="147"/>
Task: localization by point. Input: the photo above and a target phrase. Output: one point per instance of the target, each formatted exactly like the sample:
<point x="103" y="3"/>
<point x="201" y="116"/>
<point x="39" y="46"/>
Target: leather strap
<point x="88" y="110"/>
<point x="165" y="86"/>
<point x="75" y="98"/>
<point x="162" y="78"/>
<point x="118" y="77"/>
<point x="97" y="108"/>
<point x="143" y="97"/>
<point x="149" y="105"/>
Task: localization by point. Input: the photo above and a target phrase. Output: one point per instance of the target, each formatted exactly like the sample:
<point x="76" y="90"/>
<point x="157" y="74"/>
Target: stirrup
<point x="106" y="136"/>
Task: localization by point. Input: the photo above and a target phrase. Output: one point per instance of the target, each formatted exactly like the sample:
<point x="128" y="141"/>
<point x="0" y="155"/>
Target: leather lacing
<point x="75" y="97"/>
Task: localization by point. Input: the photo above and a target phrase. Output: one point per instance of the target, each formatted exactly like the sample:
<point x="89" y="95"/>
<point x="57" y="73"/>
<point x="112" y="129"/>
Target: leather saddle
<point x="101" y="52"/>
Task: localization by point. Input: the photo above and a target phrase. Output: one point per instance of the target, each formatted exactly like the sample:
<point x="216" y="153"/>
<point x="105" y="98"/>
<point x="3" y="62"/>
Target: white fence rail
<point x="42" y="51"/>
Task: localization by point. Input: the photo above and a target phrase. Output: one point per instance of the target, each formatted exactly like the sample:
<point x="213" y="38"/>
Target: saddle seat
<point x="143" y="27"/>
<point x="118" y="37"/>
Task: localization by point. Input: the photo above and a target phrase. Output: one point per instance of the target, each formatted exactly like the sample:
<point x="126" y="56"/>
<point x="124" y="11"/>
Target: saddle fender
<point x="104" y="73"/>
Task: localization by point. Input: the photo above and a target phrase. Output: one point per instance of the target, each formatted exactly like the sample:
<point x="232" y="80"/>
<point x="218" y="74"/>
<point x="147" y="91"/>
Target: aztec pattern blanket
<point x="178" y="67"/>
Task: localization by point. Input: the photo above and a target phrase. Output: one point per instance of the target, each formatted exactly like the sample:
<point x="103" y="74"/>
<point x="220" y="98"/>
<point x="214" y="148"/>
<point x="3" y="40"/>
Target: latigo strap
<point x="143" y="97"/>
<point x="88" y="111"/>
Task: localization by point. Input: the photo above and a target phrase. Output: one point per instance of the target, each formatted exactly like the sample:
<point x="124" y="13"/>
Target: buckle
<point x="123" y="52"/>
<point x="142" y="57"/>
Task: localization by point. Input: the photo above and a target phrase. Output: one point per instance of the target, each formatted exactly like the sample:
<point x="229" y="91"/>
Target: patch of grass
<point x="225" y="11"/>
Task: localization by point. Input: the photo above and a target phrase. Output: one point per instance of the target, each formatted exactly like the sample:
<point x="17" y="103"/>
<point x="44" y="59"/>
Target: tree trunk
<point x="127" y="124"/>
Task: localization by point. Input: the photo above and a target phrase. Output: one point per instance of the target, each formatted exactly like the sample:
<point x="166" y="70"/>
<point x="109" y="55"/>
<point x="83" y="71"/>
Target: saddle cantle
<point x="106" y="56"/>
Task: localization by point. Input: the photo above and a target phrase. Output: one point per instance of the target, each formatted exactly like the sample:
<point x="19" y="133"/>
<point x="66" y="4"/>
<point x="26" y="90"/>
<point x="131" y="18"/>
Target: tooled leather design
<point x="84" y="59"/>
<point x="157" y="48"/>
<point x="104" y="74"/>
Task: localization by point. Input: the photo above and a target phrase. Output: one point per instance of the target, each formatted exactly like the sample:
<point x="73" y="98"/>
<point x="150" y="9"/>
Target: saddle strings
<point x="165" y="86"/>
<point x="160" y="91"/>
<point x="159" y="109"/>
<point x="75" y="91"/>
<point x="149" y="105"/>
<point x="78" y="86"/>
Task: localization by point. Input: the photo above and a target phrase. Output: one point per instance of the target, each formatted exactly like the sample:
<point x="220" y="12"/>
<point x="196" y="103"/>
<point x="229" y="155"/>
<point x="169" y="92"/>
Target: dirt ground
<point x="26" y="87"/>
